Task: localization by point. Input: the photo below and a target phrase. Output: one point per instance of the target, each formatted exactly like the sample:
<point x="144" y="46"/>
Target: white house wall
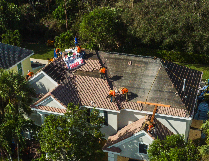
<point x="42" y="84"/>
<point x="127" y="117"/>
<point x="51" y="103"/>
<point x="130" y="148"/>
<point x="112" y="127"/>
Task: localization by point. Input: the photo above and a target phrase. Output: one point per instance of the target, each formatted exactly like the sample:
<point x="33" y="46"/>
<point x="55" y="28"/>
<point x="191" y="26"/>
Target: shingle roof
<point x="11" y="55"/>
<point x="160" y="132"/>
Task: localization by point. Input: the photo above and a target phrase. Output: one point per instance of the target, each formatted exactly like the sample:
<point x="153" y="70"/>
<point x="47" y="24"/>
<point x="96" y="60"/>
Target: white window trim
<point x="145" y="144"/>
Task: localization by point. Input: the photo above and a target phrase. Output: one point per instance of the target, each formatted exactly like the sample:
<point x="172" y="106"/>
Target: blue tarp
<point x="55" y="55"/>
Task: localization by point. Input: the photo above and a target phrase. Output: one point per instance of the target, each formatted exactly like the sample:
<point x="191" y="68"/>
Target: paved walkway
<point x="39" y="60"/>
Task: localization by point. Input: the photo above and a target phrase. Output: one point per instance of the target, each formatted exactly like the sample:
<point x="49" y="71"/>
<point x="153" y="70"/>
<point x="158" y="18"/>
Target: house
<point x="150" y="81"/>
<point x="15" y="58"/>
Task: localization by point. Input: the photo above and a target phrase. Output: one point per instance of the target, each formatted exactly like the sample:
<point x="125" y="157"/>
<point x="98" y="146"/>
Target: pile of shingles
<point x="90" y="65"/>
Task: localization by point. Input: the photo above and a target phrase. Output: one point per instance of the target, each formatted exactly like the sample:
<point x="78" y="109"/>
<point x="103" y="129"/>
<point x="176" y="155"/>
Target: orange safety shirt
<point x="124" y="90"/>
<point x="112" y="93"/>
<point x="78" y="49"/>
<point x="149" y="127"/>
<point x="57" y="50"/>
<point x="102" y="70"/>
<point x="30" y="74"/>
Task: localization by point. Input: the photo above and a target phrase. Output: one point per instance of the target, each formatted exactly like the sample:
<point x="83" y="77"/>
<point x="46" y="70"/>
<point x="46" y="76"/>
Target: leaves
<point x="173" y="148"/>
<point x="71" y="136"/>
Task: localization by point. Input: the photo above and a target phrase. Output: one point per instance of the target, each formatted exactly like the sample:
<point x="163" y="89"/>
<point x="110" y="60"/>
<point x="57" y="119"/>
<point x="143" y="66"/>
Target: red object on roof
<point x="30" y="74"/>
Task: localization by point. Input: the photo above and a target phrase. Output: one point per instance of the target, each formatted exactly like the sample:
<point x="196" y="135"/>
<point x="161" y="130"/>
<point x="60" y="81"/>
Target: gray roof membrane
<point x="153" y="80"/>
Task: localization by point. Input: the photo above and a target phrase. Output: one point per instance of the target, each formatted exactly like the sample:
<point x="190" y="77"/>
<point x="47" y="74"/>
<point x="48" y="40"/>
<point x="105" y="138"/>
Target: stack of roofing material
<point x="73" y="60"/>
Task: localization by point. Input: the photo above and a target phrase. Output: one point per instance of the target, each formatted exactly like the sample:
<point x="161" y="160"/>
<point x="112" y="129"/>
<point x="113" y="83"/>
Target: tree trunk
<point x="18" y="152"/>
<point x="66" y="14"/>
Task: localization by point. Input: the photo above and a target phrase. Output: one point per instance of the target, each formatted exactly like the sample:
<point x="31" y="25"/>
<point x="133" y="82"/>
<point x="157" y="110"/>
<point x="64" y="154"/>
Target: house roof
<point x="11" y="55"/>
<point x="147" y="79"/>
<point x="160" y="132"/>
<point x="153" y="80"/>
<point x="51" y="109"/>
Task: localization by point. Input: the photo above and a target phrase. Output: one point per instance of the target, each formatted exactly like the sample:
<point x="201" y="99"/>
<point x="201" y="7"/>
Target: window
<point x="104" y="114"/>
<point x="19" y="68"/>
<point x="143" y="148"/>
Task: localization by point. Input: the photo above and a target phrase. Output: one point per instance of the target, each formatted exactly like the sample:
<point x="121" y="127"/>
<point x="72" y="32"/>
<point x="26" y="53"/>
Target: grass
<point x="41" y="50"/>
<point x="200" y="67"/>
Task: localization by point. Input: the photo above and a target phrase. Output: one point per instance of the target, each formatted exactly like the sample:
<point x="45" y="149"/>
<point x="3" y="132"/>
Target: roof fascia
<point x="111" y="152"/>
<point x="150" y="113"/>
<point x="53" y="100"/>
<point x="100" y="109"/>
<point x="50" y="112"/>
<point x="131" y="138"/>
<point x="42" y="72"/>
<point x="20" y="61"/>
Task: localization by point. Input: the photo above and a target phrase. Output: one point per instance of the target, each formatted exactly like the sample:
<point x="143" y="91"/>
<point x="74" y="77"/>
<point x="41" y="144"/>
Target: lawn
<point x="200" y="67"/>
<point x="41" y="50"/>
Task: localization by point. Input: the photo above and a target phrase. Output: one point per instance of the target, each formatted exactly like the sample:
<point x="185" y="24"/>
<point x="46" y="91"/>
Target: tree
<point x="72" y="137"/>
<point x="173" y="148"/>
<point x="15" y="97"/>
<point x="12" y="38"/>
<point x="100" y="28"/>
<point x="204" y="149"/>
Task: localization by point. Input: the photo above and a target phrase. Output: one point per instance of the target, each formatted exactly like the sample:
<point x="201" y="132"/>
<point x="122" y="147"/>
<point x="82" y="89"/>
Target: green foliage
<point x="172" y="25"/>
<point x="71" y="137"/>
<point x="11" y="37"/>
<point x="65" y="40"/>
<point x="173" y="148"/>
<point x="100" y="28"/>
<point x="15" y="99"/>
<point x="10" y="16"/>
<point x="204" y="149"/>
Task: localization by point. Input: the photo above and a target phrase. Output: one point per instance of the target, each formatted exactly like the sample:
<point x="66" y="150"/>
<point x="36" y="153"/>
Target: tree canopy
<point x="15" y="97"/>
<point x="173" y="148"/>
<point x="71" y="136"/>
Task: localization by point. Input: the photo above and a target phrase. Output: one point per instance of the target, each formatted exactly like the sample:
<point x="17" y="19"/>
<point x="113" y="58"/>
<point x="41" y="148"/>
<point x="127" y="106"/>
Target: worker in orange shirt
<point x="78" y="49"/>
<point x="29" y="75"/>
<point x="57" y="52"/>
<point x="102" y="72"/>
<point x="112" y="95"/>
<point x="124" y="91"/>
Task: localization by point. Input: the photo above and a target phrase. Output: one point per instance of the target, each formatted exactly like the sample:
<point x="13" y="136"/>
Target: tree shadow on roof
<point x="115" y="78"/>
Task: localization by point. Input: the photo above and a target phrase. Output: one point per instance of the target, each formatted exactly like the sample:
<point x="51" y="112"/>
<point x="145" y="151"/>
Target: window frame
<point x="144" y="144"/>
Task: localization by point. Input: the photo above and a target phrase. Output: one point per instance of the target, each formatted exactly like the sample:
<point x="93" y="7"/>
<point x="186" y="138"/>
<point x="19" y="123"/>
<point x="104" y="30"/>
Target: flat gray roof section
<point x="153" y="80"/>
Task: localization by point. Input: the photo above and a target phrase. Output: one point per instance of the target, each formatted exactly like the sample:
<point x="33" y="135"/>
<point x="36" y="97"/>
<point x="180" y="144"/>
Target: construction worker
<point x="29" y="75"/>
<point x="125" y="92"/>
<point x="78" y="49"/>
<point x="102" y="72"/>
<point x="57" y="51"/>
<point x="112" y="94"/>
<point x="76" y="41"/>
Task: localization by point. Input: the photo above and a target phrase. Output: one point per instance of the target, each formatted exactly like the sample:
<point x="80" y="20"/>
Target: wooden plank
<point x="157" y="104"/>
